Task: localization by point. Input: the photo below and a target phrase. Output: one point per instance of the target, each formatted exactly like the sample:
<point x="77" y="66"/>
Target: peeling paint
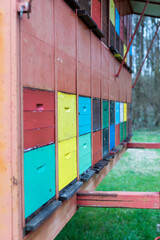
<point x="1" y="43"/>
<point x="2" y="96"/>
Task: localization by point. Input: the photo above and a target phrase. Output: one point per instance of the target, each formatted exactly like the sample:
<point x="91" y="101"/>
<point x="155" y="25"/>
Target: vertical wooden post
<point x="101" y="95"/>
<point x="77" y="96"/>
<point x="10" y="124"/>
<point x="56" y="104"/>
<point x="91" y="95"/>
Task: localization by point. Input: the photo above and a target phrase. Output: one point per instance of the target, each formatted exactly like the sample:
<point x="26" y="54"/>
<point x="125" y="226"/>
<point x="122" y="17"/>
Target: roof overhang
<point x="127" y="7"/>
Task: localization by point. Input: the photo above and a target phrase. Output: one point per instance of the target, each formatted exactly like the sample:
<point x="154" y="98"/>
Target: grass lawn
<point x="138" y="170"/>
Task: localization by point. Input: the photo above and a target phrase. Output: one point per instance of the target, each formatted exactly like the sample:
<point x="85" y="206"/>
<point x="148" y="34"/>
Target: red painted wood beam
<point x="144" y="200"/>
<point x="117" y="75"/>
<point x="144" y="145"/>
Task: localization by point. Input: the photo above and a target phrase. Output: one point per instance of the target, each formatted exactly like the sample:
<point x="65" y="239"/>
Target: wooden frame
<point x="138" y="200"/>
<point x="51" y="228"/>
<point x="11" y="157"/>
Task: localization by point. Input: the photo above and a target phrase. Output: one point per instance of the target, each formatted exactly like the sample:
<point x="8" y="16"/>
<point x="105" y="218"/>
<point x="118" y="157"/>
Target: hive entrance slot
<point x="67" y="109"/>
<point x="40" y="107"/>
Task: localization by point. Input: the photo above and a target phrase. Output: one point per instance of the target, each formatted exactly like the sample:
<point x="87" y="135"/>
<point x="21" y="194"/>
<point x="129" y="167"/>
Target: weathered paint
<point x="38" y="47"/>
<point x="96" y="114"/>
<point x="117" y="22"/>
<point x="117" y="112"/>
<point x="38" y="137"/>
<point x="125" y="112"/>
<point x="83" y="59"/>
<point x="66" y="116"/>
<point x="38" y="100"/>
<point x="84" y="115"/>
<point x="65" y="50"/>
<point x="10" y="111"/>
<point x="39" y="177"/>
<point x="96" y="147"/>
<point x="121" y="112"/>
<point x="121" y="28"/>
<point x="125" y="129"/>
<point x="38" y="117"/>
<point x="105" y="141"/>
<point x="144" y="200"/>
<point x="57" y="221"/>
<point x="112" y="11"/>
<point x="117" y="134"/>
<point x="67" y="162"/>
<point x="95" y="66"/>
<point x="105" y="72"/>
<point x="125" y="50"/>
<point x="85" y="150"/>
<point x="147" y="145"/>
<point x="112" y="136"/>
<point x="121" y="132"/>
<point x="105" y="113"/>
<point x="112" y="112"/>
<point x="37" y="72"/>
<point x="96" y="12"/>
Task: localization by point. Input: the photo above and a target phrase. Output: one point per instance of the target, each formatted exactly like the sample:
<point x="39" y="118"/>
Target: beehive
<point x="67" y="162"/>
<point x="85" y="152"/>
<point x="66" y="116"/>
<point x="39" y="177"/>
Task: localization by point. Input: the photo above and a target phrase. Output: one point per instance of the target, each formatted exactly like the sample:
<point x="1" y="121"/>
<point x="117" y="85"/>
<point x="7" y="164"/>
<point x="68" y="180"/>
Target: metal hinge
<point x="24" y="7"/>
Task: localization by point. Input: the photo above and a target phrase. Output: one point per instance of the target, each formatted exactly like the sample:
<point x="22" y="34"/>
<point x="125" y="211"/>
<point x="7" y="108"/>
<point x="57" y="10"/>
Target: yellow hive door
<point x="125" y="50"/>
<point x="112" y="12"/>
<point x="66" y="116"/>
<point x="125" y="112"/>
<point x="67" y="162"/>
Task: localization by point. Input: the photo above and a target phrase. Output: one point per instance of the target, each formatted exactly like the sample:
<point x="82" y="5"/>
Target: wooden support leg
<point x="144" y="200"/>
<point x="144" y="145"/>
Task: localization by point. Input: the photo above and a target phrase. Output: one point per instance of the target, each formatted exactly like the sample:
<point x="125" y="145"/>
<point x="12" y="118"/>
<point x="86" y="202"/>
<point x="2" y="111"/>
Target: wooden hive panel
<point x="67" y="162"/>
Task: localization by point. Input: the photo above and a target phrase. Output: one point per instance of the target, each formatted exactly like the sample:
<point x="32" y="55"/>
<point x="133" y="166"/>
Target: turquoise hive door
<point x="85" y="152"/>
<point x="39" y="177"/>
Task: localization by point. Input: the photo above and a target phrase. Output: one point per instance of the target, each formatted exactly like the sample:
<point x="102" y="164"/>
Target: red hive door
<point x="39" y="110"/>
<point x="97" y="147"/>
<point x="96" y="12"/>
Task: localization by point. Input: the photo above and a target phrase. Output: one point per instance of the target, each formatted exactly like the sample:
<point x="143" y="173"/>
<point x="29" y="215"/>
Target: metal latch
<point x="24" y="7"/>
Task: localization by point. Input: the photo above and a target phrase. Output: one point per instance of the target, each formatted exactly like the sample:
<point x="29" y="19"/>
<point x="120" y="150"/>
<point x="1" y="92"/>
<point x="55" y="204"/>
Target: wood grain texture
<point x="50" y="229"/>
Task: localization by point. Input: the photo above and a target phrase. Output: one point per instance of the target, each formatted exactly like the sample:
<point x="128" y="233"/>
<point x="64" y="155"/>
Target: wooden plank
<point x="33" y="98"/>
<point x="33" y="120"/>
<point x="144" y="145"/>
<point x="142" y="200"/>
<point x="42" y="216"/>
<point x="38" y="137"/>
<point x="50" y="228"/>
<point x="10" y="123"/>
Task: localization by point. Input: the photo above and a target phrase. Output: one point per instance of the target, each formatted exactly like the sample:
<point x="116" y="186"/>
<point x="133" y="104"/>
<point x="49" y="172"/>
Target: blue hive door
<point x="117" y="112"/>
<point x="117" y="22"/>
<point x="84" y="115"/>
<point x="112" y="136"/>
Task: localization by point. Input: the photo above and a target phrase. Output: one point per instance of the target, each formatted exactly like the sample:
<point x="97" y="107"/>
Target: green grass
<point x="138" y="170"/>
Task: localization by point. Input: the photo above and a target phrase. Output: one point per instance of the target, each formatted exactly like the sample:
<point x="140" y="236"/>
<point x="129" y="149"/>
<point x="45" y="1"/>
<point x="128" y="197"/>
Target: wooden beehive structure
<point x="63" y="110"/>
